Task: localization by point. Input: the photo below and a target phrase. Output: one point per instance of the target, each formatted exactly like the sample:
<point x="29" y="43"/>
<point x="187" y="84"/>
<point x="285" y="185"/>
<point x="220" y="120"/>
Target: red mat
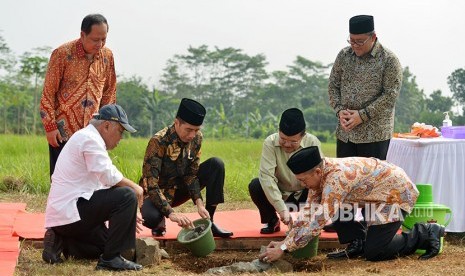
<point x="7" y="268"/>
<point x="15" y="222"/>
<point x="9" y="245"/>
<point x="243" y="223"/>
<point x="29" y="225"/>
<point x="7" y="220"/>
<point x="12" y="206"/>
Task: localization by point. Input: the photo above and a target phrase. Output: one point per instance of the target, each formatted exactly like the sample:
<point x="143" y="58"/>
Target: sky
<point x="426" y="35"/>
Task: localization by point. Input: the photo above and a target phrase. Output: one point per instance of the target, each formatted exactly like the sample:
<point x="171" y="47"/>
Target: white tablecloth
<point x="436" y="161"/>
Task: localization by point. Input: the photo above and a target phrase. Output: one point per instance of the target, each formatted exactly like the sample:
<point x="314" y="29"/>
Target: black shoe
<point x="218" y="232"/>
<point x="53" y="247"/>
<point x="117" y="263"/>
<point x="159" y="232"/>
<point x="353" y="250"/>
<point x="435" y="232"/>
<point x="273" y="226"/>
<point x="329" y="228"/>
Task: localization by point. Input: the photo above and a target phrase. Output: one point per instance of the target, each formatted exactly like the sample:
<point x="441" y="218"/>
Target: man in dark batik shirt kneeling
<point x="172" y="173"/>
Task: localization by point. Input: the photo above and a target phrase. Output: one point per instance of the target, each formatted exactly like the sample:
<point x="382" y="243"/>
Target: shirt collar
<point x="81" y="53"/>
<point x="80" y="49"/>
<point x="174" y="136"/>
<point x="376" y="48"/>
<point x="94" y="130"/>
<point x="276" y="140"/>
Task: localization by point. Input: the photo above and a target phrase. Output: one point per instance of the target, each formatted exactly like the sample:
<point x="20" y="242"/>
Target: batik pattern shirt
<point x="170" y="164"/>
<point x="75" y="88"/>
<point x="385" y="187"/>
<point x="369" y="84"/>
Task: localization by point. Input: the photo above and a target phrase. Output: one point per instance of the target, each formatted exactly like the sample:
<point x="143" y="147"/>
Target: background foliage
<point x="243" y="98"/>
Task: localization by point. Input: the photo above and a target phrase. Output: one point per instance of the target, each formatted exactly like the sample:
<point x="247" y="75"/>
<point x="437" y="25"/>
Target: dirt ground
<point x="181" y="262"/>
<point x="450" y="262"/>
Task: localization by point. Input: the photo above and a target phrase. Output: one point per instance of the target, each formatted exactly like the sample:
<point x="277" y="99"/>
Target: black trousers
<point x="53" y="155"/>
<point x="266" y="210"/>
<point x="376" y="149"/>
<point x="347" y="231"/>
<point x="211" y="176"/>
<point x="90" y="237"/>
<point x="382" y="241"/>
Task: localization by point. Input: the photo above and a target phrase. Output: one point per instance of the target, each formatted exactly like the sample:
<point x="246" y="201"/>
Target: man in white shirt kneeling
<point x="87" y="190"/>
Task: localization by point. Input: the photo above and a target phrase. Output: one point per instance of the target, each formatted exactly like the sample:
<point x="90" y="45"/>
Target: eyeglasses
<point x="292" y="143"/>
<point x="358" y="43"/>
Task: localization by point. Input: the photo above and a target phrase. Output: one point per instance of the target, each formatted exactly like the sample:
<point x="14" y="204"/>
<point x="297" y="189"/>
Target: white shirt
<point x="83" y="167"/>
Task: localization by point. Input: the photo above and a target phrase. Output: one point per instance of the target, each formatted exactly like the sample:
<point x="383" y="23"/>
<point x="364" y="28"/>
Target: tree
<point x="436" y="104"/>
<point x="161" y="109"/>
<point x="34" y="65"/>
<point x="456" y="83"/>
<point x="5" y="94"/>
<point x="130" y="95"/>
<point x="260" y="126"/>
<point x="175" y="82"/>
<point x="214" y="77"/>
<point x="6" y="58"/>
<point x="409" y="104"/>
<point x="306" y="87"/>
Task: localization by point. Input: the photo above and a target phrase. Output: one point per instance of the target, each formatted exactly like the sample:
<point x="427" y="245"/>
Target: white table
<point x="436" y="161"/>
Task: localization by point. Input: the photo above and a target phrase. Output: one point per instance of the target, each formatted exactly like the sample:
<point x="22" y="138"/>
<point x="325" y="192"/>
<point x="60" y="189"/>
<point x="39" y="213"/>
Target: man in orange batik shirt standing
<point x="80" y="79"/>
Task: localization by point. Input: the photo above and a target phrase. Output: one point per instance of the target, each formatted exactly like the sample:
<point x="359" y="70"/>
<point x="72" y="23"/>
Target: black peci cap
<point x="292" y="122"/>
<point x="361" y="24"/>
<point x="304" y="160"/>
<point x="192" y="112"/>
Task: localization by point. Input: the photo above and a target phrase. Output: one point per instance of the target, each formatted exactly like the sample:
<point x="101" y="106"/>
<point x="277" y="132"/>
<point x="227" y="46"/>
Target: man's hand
<point x="349" y="119"/>
<point x="274" y="244"/>
<point x="125" y="182"/>
<point x="201" y="209"/>
<point x="53" y="137"/>
<point x="203" y="212"/>
<point x="285" y="217"/>
<point x="139" y="221"/>
<point x="139" y="193"/>
<point x="273" y="252"/>
<point x="181" y="220"/>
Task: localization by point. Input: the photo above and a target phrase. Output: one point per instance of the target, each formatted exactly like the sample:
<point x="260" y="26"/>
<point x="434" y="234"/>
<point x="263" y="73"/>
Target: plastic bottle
<point x="447" y="121"/>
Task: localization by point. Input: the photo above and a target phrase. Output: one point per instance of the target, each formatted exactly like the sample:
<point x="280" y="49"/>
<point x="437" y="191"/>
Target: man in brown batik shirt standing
<point x="364" y="84"/>
<point x="80" y="80"/>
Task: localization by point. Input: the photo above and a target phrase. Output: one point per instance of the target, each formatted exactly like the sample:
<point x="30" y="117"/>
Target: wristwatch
<point x="283" y="247"/>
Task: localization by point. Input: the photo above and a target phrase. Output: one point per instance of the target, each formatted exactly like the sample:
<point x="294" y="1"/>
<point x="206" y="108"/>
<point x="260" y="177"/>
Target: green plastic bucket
<point x="426" y="193"/>
<point x="308" y="251"/>
<point x="201" y="245"/>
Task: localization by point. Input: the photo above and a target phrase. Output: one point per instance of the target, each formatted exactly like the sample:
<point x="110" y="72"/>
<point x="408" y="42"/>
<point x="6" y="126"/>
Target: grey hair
<point x="371" y="33"/>
<point x="96" y="122"/>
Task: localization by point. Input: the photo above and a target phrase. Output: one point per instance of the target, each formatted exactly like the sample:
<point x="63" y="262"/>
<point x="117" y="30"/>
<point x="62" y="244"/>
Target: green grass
<point x="24" y="162"/>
